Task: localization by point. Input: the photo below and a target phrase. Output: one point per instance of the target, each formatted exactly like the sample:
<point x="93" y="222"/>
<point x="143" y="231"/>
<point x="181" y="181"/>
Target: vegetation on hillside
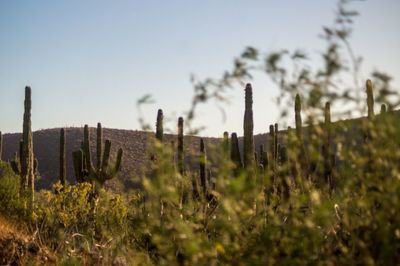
<point x="325" y="194"/>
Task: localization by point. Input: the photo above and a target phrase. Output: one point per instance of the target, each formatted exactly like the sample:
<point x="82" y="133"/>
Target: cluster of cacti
<point x="83" y="166"/>
<point x="269" y="159"/>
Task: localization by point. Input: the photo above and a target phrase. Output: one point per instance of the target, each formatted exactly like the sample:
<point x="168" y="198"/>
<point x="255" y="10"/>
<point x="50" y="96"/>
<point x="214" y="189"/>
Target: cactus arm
<point x="106" y="156"/>
<point x="77" y="157"/>
<point x="235" y="151"/>
<point x="118" y="163"/>
<point x="86" y="150"/>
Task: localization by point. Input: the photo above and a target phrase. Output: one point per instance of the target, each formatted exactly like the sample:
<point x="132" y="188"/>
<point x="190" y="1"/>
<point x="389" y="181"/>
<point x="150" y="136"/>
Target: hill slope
<point x="46" y="149"/>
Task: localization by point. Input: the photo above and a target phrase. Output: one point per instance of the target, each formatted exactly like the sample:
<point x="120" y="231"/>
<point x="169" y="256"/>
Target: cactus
<point x="26" y="156"/>
<point x="99" y="143"/>
<point x="235" y="152"/>
<point x="370" y="99"/>
<point x="62" y="157"/>
<point x="284" y="186"/>
<point x="79" y="169"/>
<point x="272" y="148"/>
<point x="263" y="157"/>
<point x="15" y="164"/>
<point x="276" y="143"/>
<point x="302" y="154"/>
<point x="225" y="144"/>
<point x="181" y="163"/>
<point x="83" y="166"/>
<point x="326" y="148"/>
<point x="248" y="138"/>
<point x="203" y="162"/>
<point x="1" y="145"/>
<point x="297" y="109"/>
<point x="383" y="109"/>
<point x="159" y="125"/>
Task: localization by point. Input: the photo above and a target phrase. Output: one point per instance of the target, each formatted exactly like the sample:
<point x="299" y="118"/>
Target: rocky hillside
<point x="46" y="149"/>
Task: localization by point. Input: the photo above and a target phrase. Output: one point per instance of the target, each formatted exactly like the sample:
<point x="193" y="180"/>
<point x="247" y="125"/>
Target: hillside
<point x="19" y="248"/>
<point x="46" y="149"/>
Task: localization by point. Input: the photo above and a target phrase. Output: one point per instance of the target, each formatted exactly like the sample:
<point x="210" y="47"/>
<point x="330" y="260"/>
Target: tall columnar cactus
<point x="383" y="108"/>
<point x="302" y="154"/>
<point x="271" y="147"/>
<point x="264" y="156"/>
<point x="326" y="148"/>
<point x="181" y="163"/>
<point x="276" y="143"/>
<point x="159" y="125"/>
<point x="370" y="99"/>
<point x="62" y="169"/>
<point x="225" y="144"/>
<point x="248" y="138"/>
<point x="83" y="166"/>
<point x="283" y="173"/>
<point x="27" y="158"/>
<point x="297" y="110"/>
<point x="235" y="152"/>
<point x="203" y="162"/>
<point x="1" y="145"/>
<point x="99" y="144"/>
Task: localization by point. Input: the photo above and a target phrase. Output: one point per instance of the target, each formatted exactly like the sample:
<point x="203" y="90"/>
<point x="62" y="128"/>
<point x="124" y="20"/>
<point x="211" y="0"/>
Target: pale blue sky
<point x="89" y="61"/>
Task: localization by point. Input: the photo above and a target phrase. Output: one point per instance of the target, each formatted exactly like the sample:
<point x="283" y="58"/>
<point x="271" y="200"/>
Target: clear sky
<point x="89" y="61"/>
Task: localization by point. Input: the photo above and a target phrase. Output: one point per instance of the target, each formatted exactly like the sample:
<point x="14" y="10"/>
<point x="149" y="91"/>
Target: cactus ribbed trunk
<point x="276" y="148"/>
<point x="235" y="152"/>
<point x="271" y="148"/>
<point x="203" y="161"/>
<point x="62" y="157"/>
<point x="326" y="152"/>
<point x="248" y="126"/>
<point x="225" y="143"/>
<point x="297" y="110"/>
<point x="301" y="154"/>
<point x="99" y="144"/>
<point x="86" y="150"/>
<point x="370" y="100"/>
<point x="159" y="125"/>
<point x="1" y="145"/>
<point x="181" y="164"/>
<point x="27" y="158"/>
<point x="264" y="157"/>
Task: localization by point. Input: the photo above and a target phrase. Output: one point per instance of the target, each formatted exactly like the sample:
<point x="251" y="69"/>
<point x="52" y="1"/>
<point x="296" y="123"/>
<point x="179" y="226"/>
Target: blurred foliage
<point x="287" y="213"/>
